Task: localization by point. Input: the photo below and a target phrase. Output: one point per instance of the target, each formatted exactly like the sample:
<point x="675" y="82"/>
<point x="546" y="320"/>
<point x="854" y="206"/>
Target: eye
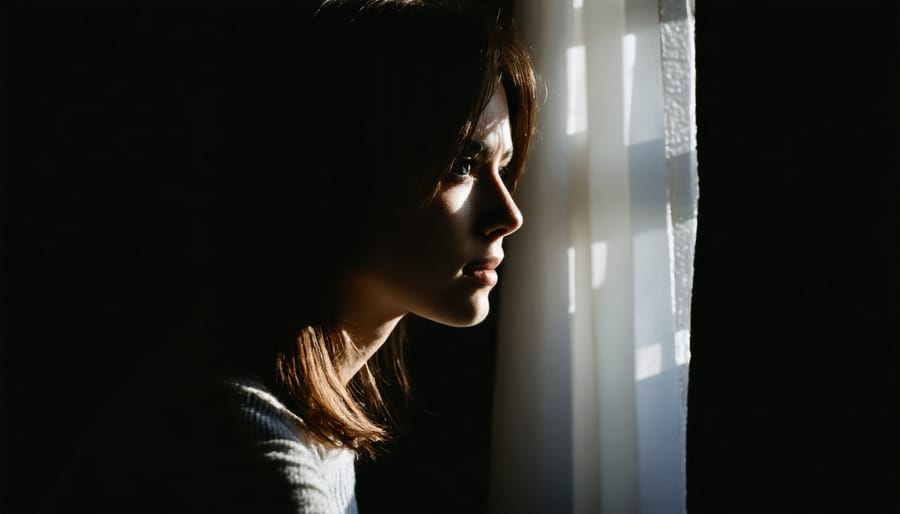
<point x="463" y="167"/>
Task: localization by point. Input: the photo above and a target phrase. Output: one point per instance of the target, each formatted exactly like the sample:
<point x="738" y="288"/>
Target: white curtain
<point x="590" y="401"/>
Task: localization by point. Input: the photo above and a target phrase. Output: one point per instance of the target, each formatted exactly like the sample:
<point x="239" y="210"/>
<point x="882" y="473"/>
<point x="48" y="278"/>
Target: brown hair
<point x="381" y="99"/>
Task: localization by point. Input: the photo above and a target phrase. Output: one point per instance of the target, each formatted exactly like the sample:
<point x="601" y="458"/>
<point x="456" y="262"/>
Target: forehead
<point x="493" y="128"/>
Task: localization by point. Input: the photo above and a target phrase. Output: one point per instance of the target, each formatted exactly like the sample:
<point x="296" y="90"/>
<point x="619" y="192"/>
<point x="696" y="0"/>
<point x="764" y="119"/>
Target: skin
<point x="436" y="262"/>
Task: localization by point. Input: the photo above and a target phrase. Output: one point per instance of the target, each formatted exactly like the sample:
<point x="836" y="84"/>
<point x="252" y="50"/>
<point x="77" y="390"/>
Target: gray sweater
<point x="322" y="480"/>
<point x="177" y="441"/>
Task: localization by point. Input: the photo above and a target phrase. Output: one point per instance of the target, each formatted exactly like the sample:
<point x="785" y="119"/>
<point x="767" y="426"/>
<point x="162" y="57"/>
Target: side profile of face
<point x="440" y="261"/>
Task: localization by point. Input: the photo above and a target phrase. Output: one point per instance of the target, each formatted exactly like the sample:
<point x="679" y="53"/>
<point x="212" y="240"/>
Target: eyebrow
<point x="480" y="150"/>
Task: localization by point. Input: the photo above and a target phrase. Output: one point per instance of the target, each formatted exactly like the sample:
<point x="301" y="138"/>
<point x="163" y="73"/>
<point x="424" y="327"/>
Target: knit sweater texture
<point x="179" y="441"/>
<point x="322" y="480"/>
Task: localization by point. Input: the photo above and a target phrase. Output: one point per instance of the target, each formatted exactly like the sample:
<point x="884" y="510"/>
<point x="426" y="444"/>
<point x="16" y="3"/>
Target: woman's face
<point x="439" y="261"/>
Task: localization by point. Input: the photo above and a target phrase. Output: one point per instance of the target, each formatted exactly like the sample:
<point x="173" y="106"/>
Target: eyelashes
<point x="467" y="168"/>
<point x="463" y="167"/>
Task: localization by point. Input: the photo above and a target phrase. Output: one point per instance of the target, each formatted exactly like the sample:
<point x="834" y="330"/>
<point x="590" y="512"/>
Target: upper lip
<point x="487" y="263"/>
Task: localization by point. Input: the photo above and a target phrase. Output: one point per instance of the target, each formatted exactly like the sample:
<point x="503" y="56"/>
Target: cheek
<point x="439" y="236"/>
<point x="431" y="244"/>
<point x="453" y="200"/>
<point x="446" y="222"/>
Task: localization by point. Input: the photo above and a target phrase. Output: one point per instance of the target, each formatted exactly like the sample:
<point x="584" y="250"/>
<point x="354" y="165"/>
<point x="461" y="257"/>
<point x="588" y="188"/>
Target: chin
<point x="470" y="314"/>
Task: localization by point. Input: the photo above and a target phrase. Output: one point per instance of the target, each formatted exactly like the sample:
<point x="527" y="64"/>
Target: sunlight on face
<point x="439" y="262"/>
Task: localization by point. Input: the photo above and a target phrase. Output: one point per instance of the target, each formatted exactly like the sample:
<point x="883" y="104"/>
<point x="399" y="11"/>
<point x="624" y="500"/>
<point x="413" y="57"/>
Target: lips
<point x="483" y="270"/>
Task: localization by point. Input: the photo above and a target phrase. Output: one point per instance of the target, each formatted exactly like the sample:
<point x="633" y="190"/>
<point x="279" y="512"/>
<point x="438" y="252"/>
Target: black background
<point x="110" y="119"/>
<point x="793" y="388"/>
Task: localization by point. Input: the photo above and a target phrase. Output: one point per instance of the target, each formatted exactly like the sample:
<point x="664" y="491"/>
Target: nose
<point x="502" y="217"/>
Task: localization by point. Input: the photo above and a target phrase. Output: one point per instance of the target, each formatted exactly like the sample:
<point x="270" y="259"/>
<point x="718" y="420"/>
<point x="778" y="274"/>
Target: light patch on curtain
<point x="682" y="347"/>
<point x="571" y="257"/>
<point x="648" y="361"/>
<point x="576" y="82"/>
<point x="628" y="57"/>
<point x="599" y="253"/>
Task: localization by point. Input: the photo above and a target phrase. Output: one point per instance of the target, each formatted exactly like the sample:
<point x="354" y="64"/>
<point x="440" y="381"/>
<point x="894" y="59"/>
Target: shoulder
<point x="170" y="442"/>
<point x="261" y="413"/>
<point x="321" y="479"/>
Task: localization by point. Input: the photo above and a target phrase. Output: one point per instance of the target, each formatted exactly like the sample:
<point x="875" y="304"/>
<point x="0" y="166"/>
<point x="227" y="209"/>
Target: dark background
<point x="793" y="387"/>
<point x="110" y="119"/>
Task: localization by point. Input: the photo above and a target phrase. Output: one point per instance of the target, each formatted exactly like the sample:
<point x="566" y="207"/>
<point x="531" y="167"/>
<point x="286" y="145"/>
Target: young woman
<point x="369" y="174"/>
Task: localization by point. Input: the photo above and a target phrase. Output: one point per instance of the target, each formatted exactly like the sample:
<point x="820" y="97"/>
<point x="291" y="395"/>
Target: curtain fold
<point x="589" y="410"/>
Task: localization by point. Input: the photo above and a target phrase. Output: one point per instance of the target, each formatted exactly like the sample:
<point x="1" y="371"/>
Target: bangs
<point x="506" y="62"/>
<point x="518" y="79"/>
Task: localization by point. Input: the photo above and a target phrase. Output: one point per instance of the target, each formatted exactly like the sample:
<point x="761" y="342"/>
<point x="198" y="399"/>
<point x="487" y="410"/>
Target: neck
<point x="366" y="324"/>
<point x="365" y="341"/>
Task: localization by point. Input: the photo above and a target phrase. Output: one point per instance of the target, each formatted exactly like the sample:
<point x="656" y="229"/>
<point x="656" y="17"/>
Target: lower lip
<point x="485" y="276"/>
